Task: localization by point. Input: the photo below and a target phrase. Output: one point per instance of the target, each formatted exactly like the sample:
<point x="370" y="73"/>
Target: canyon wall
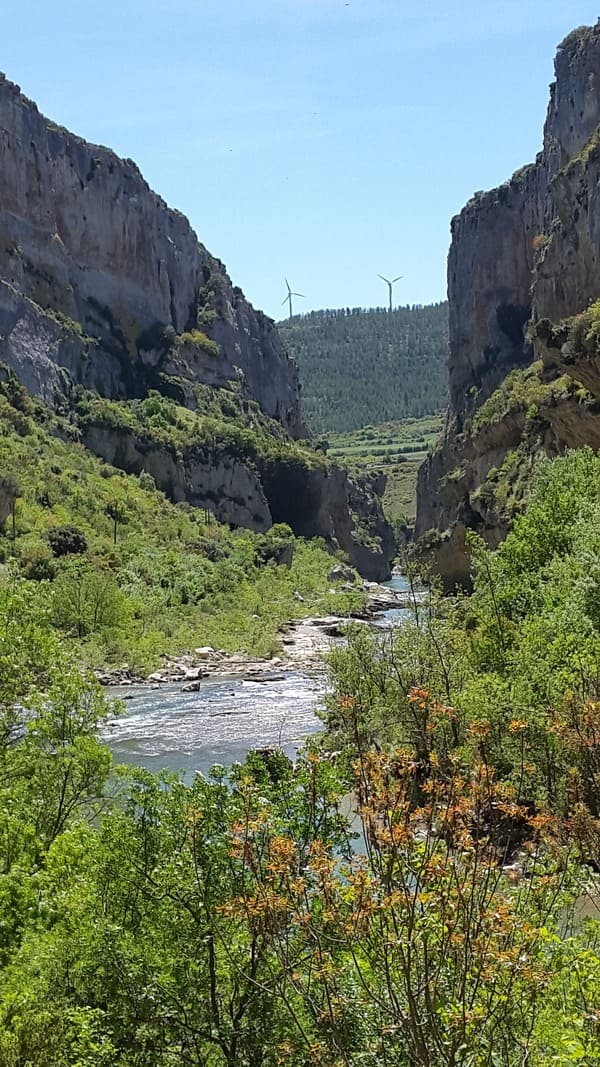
<point x="83" y="236"/>
<point x="524" y="254"/>
<point x="106" y="290"/>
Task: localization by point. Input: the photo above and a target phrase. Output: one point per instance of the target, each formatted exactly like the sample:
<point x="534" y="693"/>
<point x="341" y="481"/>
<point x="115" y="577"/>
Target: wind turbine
<point x="289" y="296"/>
<point x="390" y="283"/>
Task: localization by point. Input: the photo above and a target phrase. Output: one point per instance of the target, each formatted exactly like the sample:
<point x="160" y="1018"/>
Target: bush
<point x="88" y="601"/>
<point x="146" y="481"/>
<point x="37" y="562"/>
<point x="67" y="540"/>
<point x="199" y="338"/>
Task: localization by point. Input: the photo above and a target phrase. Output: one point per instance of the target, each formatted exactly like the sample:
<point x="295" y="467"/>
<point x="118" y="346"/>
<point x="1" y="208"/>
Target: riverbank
<point x="304" y="643"/>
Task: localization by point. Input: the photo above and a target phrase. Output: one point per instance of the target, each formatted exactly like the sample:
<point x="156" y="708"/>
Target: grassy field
<point x="398" y="448"/>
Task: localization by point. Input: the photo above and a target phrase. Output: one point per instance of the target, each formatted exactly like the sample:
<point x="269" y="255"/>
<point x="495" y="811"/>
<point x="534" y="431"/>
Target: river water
<point x="190" y="732"/>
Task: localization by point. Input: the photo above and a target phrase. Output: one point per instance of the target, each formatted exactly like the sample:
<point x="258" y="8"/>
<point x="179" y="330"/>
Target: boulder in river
<point x="192" y="687"/>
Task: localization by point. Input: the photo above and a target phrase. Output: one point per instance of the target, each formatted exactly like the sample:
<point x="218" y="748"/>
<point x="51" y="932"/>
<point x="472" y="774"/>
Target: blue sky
<point x="325" y="140"/>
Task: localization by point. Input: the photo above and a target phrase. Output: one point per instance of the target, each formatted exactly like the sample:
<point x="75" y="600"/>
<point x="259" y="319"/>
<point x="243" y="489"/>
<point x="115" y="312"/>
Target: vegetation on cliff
<point x="524" y="391"/>
<point x="236" y="921"/>
<point x="124" y="572"/>
<point x="222" y="424"/>
<point x="360" y="367"/>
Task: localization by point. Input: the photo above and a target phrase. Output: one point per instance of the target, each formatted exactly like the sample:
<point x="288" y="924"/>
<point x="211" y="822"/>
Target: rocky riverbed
<point x="210" y="707"/>
<point x="304" y="641"/>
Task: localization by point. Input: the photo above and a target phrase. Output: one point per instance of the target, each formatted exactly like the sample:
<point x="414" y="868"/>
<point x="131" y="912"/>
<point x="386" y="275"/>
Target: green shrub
<point x="66" y="540"/>
<point x="200" y="340"/>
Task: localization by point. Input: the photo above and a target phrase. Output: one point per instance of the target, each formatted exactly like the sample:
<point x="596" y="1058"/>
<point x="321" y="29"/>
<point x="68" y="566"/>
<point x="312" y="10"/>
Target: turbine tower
<point x="288" y="298"/>
<point x="390" y="283"/>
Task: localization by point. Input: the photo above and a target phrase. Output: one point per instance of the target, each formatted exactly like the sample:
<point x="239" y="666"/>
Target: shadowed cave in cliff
<point x="512" y="320"/>
<point x="292" y="497"/>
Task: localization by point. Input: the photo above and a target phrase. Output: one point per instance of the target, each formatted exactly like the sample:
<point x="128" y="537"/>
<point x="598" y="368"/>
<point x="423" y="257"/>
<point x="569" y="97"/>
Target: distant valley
<point x="374" y="384"/>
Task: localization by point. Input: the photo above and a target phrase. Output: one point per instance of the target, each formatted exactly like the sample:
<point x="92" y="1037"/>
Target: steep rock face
<point x="326" y="502"/>
<point x="527" y="251"/>
<point x="48" y="356"/>
<point x="489" y="278"/>
<point x="103" y="286"/>
<point x="223" y="484"/>
<point x="81" y="233"/>
<point x="318" y="501"/>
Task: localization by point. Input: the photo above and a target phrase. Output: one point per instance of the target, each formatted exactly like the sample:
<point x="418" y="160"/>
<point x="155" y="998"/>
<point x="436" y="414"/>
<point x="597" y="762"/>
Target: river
<point x="190" y="732"/>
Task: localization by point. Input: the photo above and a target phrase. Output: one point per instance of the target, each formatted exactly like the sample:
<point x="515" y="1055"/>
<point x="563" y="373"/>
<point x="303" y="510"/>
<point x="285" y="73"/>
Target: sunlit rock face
<point x="83" y="235"/>
<point x="103" y="286"/>
<point x="526" y="251"/>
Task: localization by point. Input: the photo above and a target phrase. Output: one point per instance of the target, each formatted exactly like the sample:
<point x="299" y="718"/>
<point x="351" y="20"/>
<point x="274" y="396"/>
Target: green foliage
<point x="53" y="767"/>
<point x="398" y="449"/>
<point x="229" y="923"/>
<point x="358" y="366"/>
<point x="384" y="443"/>
<point x="65" y="540"/>
<point x="200" y="339"/>
<point x="227" y="429"/>
<point x="173" y="578"/>
<point x="516" y="664"/>
<point x="87" y="600"/>
<point x="578" y="337"/>
<point x="245" y="920"/>
<point x="70" y="324"/>
<point x="524" y="390"/>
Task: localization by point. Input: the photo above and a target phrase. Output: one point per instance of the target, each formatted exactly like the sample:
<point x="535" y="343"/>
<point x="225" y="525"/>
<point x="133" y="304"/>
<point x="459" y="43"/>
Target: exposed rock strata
<point x="526" y="251"/>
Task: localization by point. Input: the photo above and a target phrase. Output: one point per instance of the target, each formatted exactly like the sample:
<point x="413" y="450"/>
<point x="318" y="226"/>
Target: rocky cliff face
<point x="104" y="288"/>
<point x="316" y="499"/>
<point x="82" y="234"/>
<point x="527" y="251"/>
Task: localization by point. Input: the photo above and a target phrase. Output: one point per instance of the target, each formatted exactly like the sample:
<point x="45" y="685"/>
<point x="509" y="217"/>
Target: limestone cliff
<point x="106" y="292"/>
<point x="313" y="496"/>
<point x="526" y="252"/>
<point x="83" y="235"/>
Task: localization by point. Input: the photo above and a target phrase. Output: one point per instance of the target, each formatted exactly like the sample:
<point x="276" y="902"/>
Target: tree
<point x="66" y="540"/>
<point x="10" y="491"/>
<point x="116" y="511"/>
<point x="87" y="600"/>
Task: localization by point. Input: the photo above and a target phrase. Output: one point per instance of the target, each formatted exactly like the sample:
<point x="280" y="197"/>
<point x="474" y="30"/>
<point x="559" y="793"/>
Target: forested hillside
<point x="369" y="366"/>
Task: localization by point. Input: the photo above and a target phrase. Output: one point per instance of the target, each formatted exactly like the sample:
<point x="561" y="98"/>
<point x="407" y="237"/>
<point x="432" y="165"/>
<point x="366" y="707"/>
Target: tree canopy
<point x="362" y="366"/>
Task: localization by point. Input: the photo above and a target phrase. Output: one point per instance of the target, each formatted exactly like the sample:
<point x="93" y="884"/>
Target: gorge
<point x="258" y="859"/>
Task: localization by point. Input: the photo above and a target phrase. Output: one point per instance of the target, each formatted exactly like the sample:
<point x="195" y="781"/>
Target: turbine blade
<point x="284" y="301"/>
<point x="397" y="279"/>
<point x="299" y="294"/>
<point x="386" y="280"/>
<point x="288" y="286"/>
